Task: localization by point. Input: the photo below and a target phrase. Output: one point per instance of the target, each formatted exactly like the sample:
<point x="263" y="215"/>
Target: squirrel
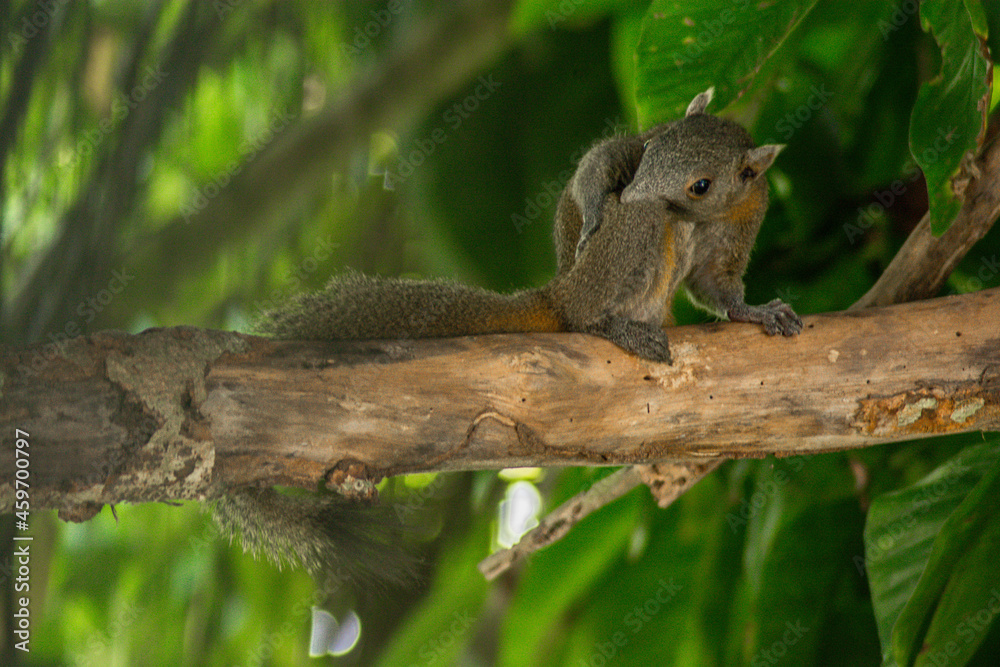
<point x="679" y="204"/>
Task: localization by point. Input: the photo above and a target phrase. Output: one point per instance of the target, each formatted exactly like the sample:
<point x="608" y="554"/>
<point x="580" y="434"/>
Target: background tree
<point x="175" y="162"/>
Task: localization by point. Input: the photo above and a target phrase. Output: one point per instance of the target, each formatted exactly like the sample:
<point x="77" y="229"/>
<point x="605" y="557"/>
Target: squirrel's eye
<point x="700" y="187"/>
<point x="645" y="144"/>
<point x="747" y="174"/>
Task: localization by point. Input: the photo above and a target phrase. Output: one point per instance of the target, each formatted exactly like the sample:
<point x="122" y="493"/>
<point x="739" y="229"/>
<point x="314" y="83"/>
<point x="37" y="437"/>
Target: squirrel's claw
<point x="776" y="317"/>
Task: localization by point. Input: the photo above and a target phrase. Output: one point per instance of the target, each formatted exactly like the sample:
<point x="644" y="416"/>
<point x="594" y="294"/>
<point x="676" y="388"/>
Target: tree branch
<point x="918" y="271"/>
<point x="185" y="413"/>
<point x="921" y="266"/>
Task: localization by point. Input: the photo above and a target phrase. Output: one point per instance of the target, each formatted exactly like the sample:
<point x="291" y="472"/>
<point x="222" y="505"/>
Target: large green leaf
<point x="958" y="596"/>
<point x="685" y="47"/>
<point x="641" y="612"/>
<point x="926" y="552"/>
<point x="949" y="116"/>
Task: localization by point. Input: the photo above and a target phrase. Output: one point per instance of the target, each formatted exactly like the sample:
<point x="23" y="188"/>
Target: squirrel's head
<point x="701" y="166"/>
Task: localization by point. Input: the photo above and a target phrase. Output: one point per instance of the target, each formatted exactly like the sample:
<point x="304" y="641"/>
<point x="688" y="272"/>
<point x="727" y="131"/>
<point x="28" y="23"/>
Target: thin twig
<point x="924" y="262"/>
<point x="559" y="521"/>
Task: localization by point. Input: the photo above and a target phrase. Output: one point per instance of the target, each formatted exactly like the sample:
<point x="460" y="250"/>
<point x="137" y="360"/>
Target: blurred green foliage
<point x="762" y="563"/>
<point x="931" y="553"/>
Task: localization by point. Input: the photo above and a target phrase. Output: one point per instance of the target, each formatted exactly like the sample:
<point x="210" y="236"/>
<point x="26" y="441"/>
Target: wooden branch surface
<point x="184" y="413"/>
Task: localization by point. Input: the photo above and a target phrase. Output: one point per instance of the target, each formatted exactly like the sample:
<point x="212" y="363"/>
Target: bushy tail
<point x="358" y="307"/>
<point x="330" y="537"/>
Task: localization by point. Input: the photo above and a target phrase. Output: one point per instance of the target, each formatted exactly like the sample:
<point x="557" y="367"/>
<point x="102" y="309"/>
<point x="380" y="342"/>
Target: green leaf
<point x="992" y="10"/>
<point x="626" y="31"/>
<point x="912" y="542"/>
<point x="958" y="596"/>
<point x="803" y="568"/>
<point x="949" y="116"/>
<point x="662" y="604"/>
<point x="687" y="47"/>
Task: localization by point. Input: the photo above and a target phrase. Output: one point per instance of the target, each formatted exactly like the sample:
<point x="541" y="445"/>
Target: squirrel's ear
<point x="699" y="102"/>
<point x="761" y="157"/>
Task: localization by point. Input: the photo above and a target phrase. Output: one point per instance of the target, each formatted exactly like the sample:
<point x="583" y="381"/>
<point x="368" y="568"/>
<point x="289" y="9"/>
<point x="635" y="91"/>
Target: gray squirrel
<point x="644" y="214"/>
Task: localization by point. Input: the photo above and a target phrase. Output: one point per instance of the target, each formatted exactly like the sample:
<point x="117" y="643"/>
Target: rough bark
<point x="184" y="412"/>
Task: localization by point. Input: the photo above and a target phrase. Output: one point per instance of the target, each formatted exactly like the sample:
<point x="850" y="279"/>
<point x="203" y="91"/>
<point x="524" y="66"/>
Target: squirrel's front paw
<point x="650" y="344"/>
<point x="776" y="316"/>
<point x="640" y="338"/>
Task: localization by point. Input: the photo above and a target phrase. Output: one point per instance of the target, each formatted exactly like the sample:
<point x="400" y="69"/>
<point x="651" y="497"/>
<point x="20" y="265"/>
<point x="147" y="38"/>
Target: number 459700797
<point x="21" y="504"/>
